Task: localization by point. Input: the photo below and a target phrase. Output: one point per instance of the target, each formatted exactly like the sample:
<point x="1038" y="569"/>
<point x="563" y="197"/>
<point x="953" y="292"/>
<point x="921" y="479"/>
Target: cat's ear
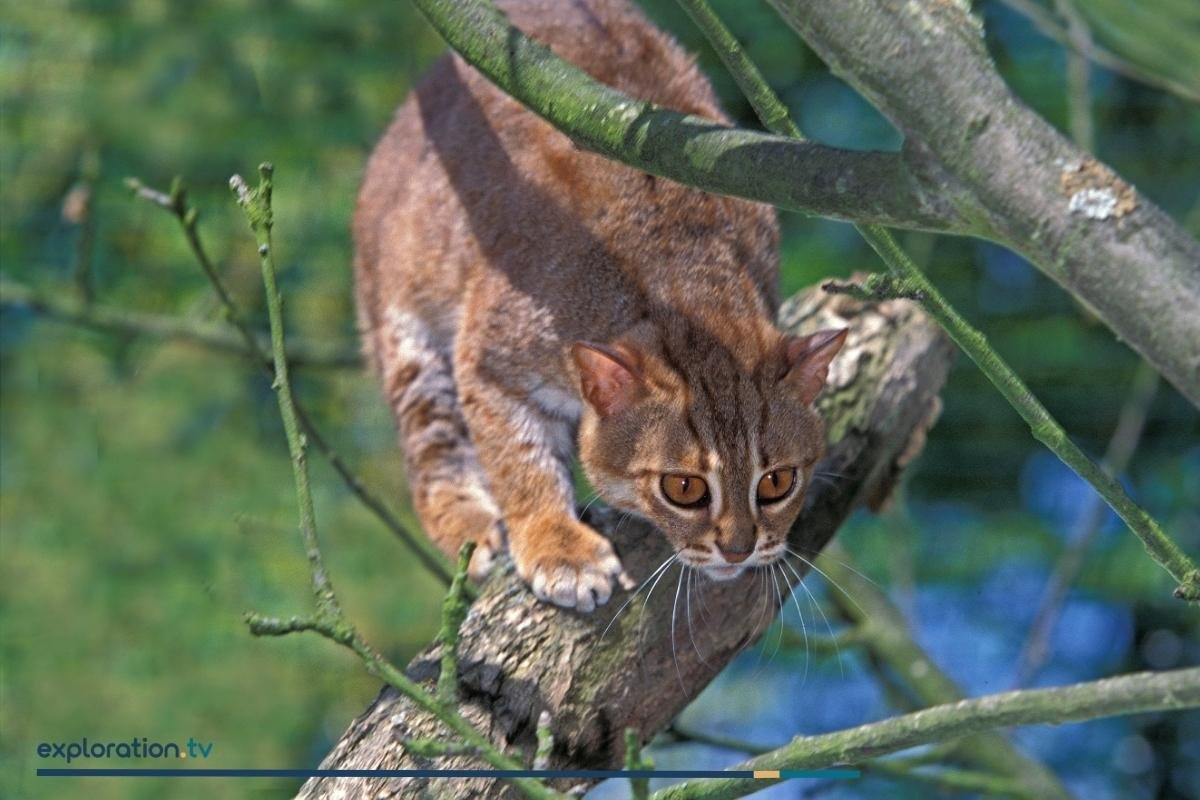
<point x="807" y="360"/>
<point x="609" y="376"/>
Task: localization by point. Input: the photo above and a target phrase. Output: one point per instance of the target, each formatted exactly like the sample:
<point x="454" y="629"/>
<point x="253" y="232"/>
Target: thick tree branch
<point x="597" y="677"/>
<point x="1129" y="694"/>
<point x="801" y="176"/>
<point x="924" y="65"/>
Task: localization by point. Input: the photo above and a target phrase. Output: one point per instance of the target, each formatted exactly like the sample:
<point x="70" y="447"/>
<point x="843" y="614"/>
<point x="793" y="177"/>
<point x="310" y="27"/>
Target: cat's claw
<point x="581" y="588"/>
<point x="487" y="550"/>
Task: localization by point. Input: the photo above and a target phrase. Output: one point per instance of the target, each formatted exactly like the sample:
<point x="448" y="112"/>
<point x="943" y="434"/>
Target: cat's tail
<point x="448" y="485"/>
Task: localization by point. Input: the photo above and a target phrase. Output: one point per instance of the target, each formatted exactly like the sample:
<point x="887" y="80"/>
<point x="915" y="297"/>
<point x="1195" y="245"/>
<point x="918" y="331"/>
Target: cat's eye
<point x="776" y="485"/>
<point x="686" y="491"/>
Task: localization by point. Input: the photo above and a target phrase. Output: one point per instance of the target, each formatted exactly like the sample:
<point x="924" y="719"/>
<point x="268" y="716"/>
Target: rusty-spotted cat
<point x="524" y="301"/>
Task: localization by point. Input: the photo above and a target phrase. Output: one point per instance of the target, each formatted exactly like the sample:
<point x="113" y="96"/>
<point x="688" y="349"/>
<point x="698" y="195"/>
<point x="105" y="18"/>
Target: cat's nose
<point x="735" y="556"/>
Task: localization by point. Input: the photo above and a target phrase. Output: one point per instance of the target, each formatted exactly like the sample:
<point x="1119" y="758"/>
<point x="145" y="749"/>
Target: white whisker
<point x="813" y="600"/>
<point x="688" y="605"/>
<point x="832" y="582"/>
<point x="866" y="578"/>
<point x="674" y="611"/>
<point x="595" y="496"/>
<point x="646" y="602"/>
<point x="803" y="627"/>
<point x="779" y="608"/>
<point x="766" y="596"/>
<point x="636" y="592"/>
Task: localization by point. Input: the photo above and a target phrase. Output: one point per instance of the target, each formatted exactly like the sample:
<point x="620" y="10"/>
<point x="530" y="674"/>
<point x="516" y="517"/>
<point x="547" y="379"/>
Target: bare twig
<point x="257" y="205"/>
<point x="905" y="769"/>
<point x="545" y="741"/>
<point x="454" y="611"/>
<point x="1045" y="428"/>
<point x="1174" y="690"/>
<point x="175" y="202"/>
<point x="1120" y="449"/>
<point x="1079" y="78"/>
<point x="127" y="322"/>
<point x="639" y="788"/>
<point x="328" y="618"/>
<point x="1050" y="27"/>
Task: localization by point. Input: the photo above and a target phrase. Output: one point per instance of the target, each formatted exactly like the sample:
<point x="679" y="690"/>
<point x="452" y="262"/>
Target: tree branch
<point x="886" y="636"/>
<point x="328" y="619"/>
<point x="600" y="674"/>
<point x="949" y="779"/>
<point x="175" y="202"/>
<point x="800" y="176"/>
<point x="124" y="322"/>
<point x="1175" y="690"/>
<point x="909" y="282"/>
<point x="1120" y="450"/>
<point x="1042" y="196"/>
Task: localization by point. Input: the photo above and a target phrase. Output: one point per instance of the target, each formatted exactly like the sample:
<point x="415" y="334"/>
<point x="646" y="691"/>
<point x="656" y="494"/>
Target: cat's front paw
<point x="567" y="563"/>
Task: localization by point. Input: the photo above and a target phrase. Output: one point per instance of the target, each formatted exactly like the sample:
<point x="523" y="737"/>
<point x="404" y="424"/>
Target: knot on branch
<point x="1094" y="191"/>
<point x="876" y="288"/>
<point x="1189" y="588"/>
<point x="256" y="201"/>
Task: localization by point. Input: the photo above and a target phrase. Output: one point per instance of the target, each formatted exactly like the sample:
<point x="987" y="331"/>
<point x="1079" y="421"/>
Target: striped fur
<point x="488" y="246"/>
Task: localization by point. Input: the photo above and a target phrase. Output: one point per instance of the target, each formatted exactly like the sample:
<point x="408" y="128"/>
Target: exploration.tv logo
<point x="134" y="748"/>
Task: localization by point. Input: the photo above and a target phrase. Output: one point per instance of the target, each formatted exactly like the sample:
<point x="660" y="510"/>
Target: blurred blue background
<point x="145" y="495"/>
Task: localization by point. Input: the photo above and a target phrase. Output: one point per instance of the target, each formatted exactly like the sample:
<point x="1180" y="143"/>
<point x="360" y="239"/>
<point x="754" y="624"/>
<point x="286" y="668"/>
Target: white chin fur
<point x="723" y="573"/>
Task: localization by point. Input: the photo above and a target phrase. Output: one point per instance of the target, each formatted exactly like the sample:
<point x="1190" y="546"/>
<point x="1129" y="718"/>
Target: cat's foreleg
<point x="448" y="485"/>
<point x="526" y="452"/>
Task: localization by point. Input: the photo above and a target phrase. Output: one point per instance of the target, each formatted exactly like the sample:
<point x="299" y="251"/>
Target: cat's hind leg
<point x="448" y="485"/>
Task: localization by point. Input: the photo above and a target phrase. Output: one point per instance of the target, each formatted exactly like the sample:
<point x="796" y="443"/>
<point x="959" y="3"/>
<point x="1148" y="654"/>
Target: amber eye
<point x="776" y="485"/>
<point x="686" y="491"/>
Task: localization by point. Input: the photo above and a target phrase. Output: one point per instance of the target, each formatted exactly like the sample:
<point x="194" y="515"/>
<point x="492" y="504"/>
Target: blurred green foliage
<point x="145" y="498"/>
<point x="1159" y="36"/>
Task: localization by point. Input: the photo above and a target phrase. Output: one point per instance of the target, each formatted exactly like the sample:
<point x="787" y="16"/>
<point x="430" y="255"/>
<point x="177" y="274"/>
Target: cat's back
<point x="467" y="179"/>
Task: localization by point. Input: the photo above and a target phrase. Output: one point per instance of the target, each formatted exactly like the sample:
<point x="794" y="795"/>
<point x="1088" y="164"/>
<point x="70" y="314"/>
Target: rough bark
<point x="519" y="657"/>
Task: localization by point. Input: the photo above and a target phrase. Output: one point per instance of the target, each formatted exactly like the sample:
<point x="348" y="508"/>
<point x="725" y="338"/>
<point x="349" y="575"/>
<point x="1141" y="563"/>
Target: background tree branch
<point x="924" y="65"/>
<point x="883" y="631"/>
<point x="1128" y="694"/>
<point x="597" y="677"/>
<point x="58" y="304"/>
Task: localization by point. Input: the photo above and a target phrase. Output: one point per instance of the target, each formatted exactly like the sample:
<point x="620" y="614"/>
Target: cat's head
<point x="715" y="447"/>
